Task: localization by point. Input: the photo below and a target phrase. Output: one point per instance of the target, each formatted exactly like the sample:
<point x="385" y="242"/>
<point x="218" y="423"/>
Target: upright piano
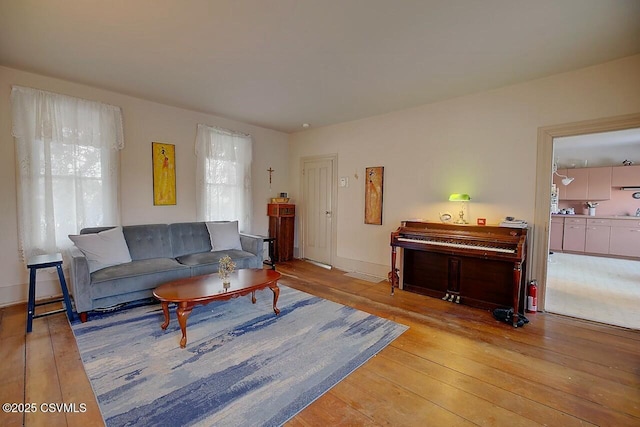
<point x="480" y="266"/>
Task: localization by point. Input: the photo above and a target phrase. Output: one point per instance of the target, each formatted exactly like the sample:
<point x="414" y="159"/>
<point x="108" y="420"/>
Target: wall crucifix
<point x="270" y="170"/>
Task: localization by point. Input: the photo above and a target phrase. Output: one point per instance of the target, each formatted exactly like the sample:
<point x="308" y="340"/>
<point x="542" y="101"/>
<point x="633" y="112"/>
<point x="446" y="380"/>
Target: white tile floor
<point x="605" y="290"/>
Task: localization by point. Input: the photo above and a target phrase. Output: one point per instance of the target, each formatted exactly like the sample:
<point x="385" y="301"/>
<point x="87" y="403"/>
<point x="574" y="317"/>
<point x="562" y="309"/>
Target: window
<point x="67" y="161"/>
<point x="223" y="176"/>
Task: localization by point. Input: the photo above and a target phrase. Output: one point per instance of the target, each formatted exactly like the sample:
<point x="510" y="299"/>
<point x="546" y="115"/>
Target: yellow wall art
<point x="164" y="173"/>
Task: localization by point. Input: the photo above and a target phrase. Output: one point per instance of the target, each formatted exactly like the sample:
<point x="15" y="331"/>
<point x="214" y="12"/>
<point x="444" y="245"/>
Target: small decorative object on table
<point x="226" y="267"/>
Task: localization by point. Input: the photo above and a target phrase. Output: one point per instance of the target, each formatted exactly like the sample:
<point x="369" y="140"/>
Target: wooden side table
<point x="281" y="226"/>
<point x="45" y="261"/>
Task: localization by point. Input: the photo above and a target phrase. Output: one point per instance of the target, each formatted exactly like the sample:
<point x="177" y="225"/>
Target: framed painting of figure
<point x="373" y="195"/>
<point x="164" y="173"/>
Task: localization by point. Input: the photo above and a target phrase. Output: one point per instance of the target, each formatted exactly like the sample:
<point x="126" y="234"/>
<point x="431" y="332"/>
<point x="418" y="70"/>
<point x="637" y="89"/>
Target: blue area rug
<point x="243" y="366"/>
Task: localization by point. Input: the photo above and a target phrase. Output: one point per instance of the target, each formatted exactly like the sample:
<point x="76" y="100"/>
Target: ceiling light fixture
<point x="305" y="125"/>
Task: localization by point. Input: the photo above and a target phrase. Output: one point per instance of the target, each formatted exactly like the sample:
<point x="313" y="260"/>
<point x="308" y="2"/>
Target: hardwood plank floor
<point x="455" y="366"/>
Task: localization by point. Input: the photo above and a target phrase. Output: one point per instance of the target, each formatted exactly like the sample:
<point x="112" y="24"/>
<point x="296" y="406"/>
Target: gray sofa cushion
<point x="144" y="241"/>
<point x="148" y="241"/>
<point x="136" y="275"/>
<point x="189" y="238"/>
<point x="207" y="262"/>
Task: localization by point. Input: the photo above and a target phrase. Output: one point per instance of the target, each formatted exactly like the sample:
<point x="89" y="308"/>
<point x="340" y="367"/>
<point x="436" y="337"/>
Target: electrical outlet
<point x="344" y="181"/>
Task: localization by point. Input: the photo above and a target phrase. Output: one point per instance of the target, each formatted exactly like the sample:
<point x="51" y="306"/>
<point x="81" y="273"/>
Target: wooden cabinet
<point x="625" y="238"/>
<point x="574" y="234"/>
<point x="597" y="236"/>
<point x="625" y="176"/>
<point x="588" y="184"/>
<point x="599" y="183"/>
<point x="281" y="226"/>
<point x="578" y="189"/>
<point x="556" y="234"/>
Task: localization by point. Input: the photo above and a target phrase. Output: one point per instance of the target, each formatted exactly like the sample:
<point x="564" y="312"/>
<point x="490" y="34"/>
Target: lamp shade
<point x="567" y="180"/>
<point x="456" y="197"/>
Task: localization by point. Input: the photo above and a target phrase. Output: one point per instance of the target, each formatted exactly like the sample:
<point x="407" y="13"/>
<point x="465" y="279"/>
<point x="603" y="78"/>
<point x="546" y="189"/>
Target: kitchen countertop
<point x="637" y="218"/>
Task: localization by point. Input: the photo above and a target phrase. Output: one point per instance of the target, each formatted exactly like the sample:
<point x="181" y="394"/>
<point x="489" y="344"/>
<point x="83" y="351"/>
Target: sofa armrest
<point x="80" y="280"/>
<point x="253" y="244"/>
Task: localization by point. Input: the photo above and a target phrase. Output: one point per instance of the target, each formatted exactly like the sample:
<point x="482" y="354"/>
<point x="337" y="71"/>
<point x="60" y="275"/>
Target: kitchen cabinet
<point x="588" y="184"/>
<point x="625" y="176"/>
<point x="556" y="234"/>
<point x="578" y="189"/>
<point x="599" y="183"/>
<point x="574" y="234"/>
<point x="625" y="237"/>
<point x="597" y="235"/>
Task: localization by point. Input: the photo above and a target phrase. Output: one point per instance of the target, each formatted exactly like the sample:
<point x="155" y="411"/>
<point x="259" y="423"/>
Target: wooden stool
<point x="46" y="261"/>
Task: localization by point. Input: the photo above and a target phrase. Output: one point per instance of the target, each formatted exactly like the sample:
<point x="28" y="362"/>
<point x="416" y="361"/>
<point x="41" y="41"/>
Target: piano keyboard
<point x="477" y="247"/>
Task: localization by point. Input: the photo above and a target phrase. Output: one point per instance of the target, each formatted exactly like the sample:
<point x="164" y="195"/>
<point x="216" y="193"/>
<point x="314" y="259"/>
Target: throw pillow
<point x="103" y="249"/>
<point x="224" y="235"/>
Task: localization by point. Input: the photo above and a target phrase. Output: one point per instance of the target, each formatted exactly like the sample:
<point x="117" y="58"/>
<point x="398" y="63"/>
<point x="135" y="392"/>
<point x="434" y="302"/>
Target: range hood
<point x="636" y="188"/>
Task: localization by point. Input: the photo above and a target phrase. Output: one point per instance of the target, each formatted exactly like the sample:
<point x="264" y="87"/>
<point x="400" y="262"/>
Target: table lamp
<point x="462" y="198"/>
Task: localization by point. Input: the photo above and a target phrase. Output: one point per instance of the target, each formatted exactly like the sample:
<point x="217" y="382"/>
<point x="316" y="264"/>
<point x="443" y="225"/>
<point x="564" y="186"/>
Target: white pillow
<point x="224" y="235"/>
<point x="103" y="249"/>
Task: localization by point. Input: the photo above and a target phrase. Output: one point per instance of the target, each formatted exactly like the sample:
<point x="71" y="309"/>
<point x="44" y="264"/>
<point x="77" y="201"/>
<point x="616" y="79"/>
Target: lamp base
<point x="461" y="219"/>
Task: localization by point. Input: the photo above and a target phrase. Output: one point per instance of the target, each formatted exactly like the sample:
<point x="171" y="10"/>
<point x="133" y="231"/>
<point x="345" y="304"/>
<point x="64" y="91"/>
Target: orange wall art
<point x="164" y="173"/>
<point x="373" y="195"/>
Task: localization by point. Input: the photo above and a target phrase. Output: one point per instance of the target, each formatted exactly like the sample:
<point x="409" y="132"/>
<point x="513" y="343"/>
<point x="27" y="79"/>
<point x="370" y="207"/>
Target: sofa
<point x="114" y="265"/>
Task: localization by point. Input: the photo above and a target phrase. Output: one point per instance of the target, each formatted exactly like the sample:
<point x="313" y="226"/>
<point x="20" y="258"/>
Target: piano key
<point x="456" y="245"/>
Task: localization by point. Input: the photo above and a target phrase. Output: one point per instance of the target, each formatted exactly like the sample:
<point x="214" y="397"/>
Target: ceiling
<point x="282" y="63"/>
<point x="597" y="149"/>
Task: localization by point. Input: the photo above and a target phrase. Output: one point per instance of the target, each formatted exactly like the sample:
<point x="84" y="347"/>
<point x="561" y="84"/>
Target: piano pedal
<point x="451" y="298"/>
<point x="446" y="297"/>
<point x="458" y="299"/>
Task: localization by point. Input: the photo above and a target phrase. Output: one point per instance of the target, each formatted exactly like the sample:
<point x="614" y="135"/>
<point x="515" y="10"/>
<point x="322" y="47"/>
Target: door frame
<point x="544" y="160"/>
<point x="333" y="158"/>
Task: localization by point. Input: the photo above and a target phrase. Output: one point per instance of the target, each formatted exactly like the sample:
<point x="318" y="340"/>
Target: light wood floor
<point x="454" y="366"/>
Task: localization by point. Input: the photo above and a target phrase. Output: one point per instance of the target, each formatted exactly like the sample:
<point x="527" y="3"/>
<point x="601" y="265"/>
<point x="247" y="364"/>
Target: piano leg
<point x="393" y="276"/>
<point x="517" y="277"/>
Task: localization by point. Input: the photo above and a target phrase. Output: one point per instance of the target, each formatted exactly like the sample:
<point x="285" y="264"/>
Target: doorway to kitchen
<point x="591" y="277"/>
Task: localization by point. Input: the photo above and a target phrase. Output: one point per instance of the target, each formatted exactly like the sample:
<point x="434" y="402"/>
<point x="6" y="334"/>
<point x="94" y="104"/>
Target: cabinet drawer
<point x="575" y="221"/>
<point x="629" y="223"/>
<point x="595" y="221"/>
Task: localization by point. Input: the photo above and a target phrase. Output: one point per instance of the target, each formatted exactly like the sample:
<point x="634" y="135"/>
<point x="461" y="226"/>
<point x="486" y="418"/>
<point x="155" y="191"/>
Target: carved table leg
<point x="276" y="294"/>
<point x="165" y="310"/>
<point x="183" y="311"/>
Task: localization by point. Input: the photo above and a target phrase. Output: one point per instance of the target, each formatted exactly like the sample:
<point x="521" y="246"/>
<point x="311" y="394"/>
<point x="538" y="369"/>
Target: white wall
<point x="483" y="144"/>
<point x="144" y="122"/>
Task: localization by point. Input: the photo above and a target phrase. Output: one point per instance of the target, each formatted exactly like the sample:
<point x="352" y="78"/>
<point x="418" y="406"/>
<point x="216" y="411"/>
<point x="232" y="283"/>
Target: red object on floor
<point x="532" y="297"/>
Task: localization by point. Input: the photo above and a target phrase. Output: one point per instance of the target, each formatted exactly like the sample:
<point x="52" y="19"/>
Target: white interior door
<point x="318" y="209"/>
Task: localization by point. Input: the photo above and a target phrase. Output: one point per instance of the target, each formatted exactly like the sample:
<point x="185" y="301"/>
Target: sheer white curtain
<point x="223" y="176"/>
<point x="67" y="164"/>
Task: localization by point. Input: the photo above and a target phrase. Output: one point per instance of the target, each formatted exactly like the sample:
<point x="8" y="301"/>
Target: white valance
<point x="43" y="115"/>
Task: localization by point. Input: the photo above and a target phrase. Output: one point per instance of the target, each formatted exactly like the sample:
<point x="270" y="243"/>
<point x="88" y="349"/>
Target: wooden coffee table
<point x="189" y="292"/>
